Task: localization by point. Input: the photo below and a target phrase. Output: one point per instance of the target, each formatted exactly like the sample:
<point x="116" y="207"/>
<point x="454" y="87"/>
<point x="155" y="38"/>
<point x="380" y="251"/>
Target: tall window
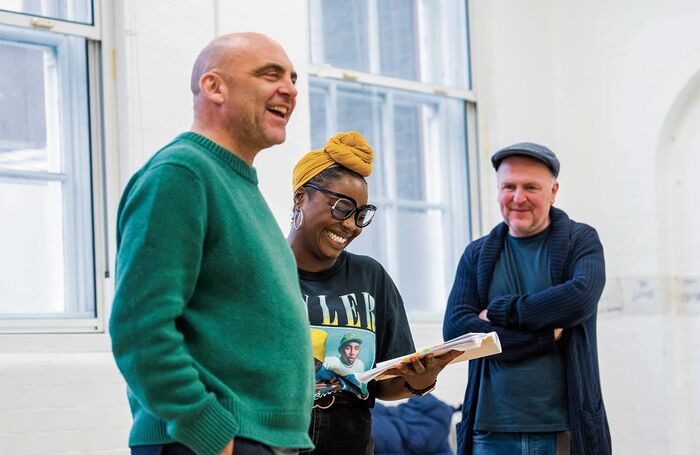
<point x="49" y="165"/>
<point x="398" y="72"/>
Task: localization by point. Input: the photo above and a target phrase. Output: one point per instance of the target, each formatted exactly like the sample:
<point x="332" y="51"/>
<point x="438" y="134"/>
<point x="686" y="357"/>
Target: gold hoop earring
<point x="297" y="218"/>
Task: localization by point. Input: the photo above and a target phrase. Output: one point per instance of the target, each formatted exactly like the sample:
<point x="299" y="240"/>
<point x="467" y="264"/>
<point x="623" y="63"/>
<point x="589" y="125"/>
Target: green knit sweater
<point x="208" y="325"/>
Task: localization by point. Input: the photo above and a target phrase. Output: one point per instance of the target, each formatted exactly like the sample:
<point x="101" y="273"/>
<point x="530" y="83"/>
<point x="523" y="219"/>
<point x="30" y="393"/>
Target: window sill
<point x="54" y="342"/>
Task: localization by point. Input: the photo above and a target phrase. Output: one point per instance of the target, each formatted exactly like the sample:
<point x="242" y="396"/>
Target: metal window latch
<point x="350" y="76"/>
<point x="40" y="22"/>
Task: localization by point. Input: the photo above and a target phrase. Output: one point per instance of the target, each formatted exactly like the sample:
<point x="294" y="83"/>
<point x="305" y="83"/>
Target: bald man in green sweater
<point x="207" y="294"/>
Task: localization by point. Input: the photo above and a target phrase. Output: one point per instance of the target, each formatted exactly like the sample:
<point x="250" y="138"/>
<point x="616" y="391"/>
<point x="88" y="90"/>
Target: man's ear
<point x="212" y="87"/>
<point x="555" y="189"/>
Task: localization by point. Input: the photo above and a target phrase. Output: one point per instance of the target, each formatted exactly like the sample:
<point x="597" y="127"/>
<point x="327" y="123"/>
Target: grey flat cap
<point x="536" y="151"/>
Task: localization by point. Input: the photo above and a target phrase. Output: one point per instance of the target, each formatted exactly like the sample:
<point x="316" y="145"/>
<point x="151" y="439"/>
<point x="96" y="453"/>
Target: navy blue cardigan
<point x="525" y="323"/>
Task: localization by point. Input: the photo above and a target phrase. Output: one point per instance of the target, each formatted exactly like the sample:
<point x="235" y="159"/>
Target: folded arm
<point x="563" y="305"/>
<point x="462" y="316"/>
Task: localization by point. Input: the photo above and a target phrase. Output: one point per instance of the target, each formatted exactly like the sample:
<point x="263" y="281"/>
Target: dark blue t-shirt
<point x="527" y="395"/>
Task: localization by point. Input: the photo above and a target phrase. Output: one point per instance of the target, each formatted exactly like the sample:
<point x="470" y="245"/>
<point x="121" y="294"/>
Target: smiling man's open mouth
<point x="280" y="111"/>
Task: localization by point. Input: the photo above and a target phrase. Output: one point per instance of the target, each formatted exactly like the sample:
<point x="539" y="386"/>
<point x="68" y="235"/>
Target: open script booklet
<point x="473" y="345"/>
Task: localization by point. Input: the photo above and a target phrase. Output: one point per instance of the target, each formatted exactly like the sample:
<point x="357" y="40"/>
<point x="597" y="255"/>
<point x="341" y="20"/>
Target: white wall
<point x="611" y="86"/>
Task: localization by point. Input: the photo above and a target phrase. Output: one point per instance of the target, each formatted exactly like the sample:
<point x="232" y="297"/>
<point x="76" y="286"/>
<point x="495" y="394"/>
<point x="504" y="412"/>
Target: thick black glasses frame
<point x="356" y="210"/>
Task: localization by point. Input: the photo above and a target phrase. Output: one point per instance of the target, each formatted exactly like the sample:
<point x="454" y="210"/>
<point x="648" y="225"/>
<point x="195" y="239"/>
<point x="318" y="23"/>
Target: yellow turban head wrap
<point x="347" y="149"/>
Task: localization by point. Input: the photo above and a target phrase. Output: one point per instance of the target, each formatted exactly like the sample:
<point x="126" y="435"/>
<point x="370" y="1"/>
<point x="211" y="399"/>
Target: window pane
<point x="46" y="238"/>
<point x="341" y="32"/>
<point x="445" y="40"/>
<point x="319" y="118"/>
<point x="29" y="112"/>
<point x="408" y="142"/>
<point x="68" y="10"/>
<point x="398" y="39"/>
<point x="31" y="239"/>
<point x="421" y="259"/>
<point x="372" y="241"/>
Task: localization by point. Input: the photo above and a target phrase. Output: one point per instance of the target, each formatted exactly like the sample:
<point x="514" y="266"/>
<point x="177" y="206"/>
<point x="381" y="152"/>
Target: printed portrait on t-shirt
<point x="344" y="342"/>
<point x="339" y="354"/>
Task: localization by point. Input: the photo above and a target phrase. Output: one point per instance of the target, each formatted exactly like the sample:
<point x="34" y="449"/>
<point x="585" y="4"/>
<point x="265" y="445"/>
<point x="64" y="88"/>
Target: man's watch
<point x="420" y="392"/>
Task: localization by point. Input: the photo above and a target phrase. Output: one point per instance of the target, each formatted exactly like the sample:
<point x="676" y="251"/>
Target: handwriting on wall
<point x="651" y="295"/>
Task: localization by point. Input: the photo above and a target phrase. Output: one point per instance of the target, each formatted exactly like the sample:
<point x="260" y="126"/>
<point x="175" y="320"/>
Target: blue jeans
<point x="495" y="443"/>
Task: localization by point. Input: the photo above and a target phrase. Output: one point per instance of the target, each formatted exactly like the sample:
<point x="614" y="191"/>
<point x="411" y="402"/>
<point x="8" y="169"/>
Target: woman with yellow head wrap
<point x="349" y="150"/>
<point x="349" y="297"/>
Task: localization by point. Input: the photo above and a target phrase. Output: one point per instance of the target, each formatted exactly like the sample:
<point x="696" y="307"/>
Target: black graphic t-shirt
<point x="357" y="319"/>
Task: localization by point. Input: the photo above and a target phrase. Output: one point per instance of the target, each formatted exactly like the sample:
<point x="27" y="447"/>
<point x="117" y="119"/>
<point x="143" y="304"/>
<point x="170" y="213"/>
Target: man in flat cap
<point x="535" y="279"/>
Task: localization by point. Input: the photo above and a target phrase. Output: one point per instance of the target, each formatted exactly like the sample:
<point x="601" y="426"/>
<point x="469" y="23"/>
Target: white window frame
<point x="455" y="240"/>
<point x="92" y="32"/>
<point x="374" y="59"/>
<point x="22" y="334"/>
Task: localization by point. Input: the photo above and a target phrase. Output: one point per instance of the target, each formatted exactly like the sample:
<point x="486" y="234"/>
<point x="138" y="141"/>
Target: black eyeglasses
<point x="345" y="206"/>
